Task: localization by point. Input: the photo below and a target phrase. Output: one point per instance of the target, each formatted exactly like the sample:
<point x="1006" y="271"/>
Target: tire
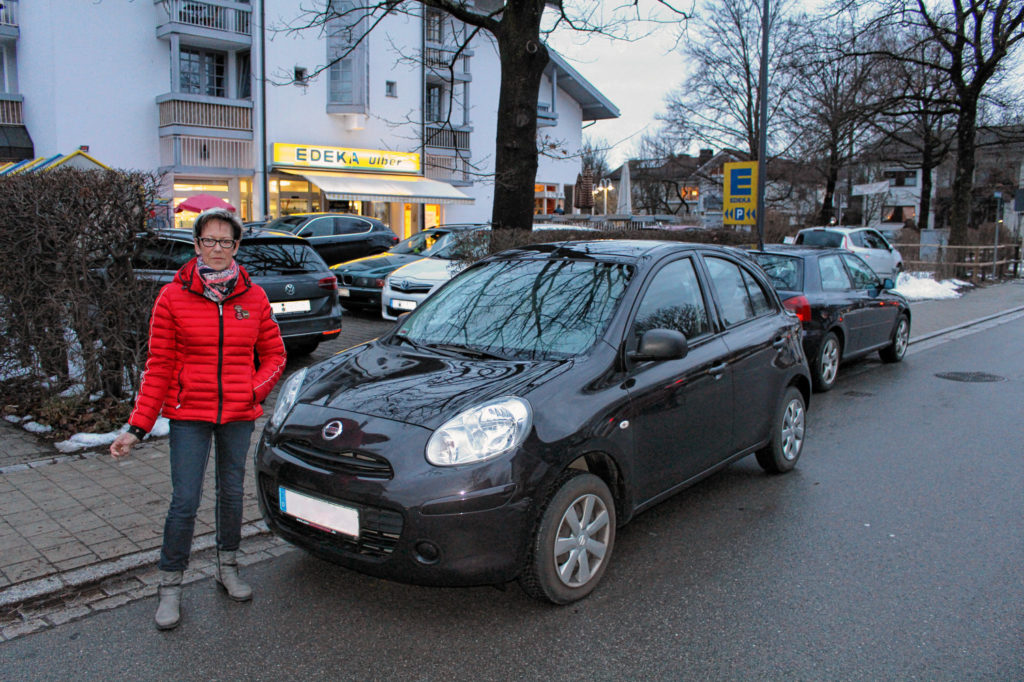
<point x="783" y="451"/>
<point x="299" y="348"/>
<point x="826" y="364"/>
<point x="895" y="351"/>
<point x="562" y="578"/>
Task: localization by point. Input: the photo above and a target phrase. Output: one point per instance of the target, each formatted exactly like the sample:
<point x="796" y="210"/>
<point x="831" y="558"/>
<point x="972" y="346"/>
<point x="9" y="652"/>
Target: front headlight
<point x="481" y="432"/>
<point x="286" y="398"/>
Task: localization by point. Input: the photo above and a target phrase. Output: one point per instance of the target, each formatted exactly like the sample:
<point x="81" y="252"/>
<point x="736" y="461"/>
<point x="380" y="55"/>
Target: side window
<point x="734" y="301"/>
<point x="673" y="301"/>
<point x="833" y="274"/>
<point x="350" y="226"/>
<point x="758" y="297"/>
<point x="875" y="241"/>
<point x="318" y="227"/>
<point x="180" y="253"/>
<point x="858" y="239"/>
<point x="863" y="276"/>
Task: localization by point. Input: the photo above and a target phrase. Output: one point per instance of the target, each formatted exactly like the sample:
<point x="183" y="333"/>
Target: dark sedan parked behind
<point x="846" y="310"/>
<point x="338" y="237"/>
<point x="302" y="291"/>
<point x="537" y="401"/>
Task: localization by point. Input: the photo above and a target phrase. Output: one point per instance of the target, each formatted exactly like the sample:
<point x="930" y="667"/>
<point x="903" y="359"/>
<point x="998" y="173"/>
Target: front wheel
<point x="826" y="363"/>
<point x="782" y="452"/>
<point x="573" y="540"/>
<point x="897" y="348"/>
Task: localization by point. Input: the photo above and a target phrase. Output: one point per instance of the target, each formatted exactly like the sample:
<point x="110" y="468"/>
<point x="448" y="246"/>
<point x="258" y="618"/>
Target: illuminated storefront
<point x="383" y="184"/>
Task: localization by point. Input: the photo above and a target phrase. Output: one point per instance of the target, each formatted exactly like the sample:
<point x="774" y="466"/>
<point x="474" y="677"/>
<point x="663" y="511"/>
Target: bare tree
<point x="518" y="28"/>
<point x="718" y="103"/>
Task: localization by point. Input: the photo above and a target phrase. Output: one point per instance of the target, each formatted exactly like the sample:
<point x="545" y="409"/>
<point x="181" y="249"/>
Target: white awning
<point x="379" y="187"/>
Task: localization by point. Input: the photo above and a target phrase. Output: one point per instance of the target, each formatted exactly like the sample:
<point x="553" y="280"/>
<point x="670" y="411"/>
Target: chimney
<point x="705" y="155"/>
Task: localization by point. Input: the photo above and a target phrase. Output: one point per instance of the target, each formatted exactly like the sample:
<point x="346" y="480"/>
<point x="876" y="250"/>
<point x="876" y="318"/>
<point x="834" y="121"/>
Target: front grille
<point x="410" y="287"/>
<point x="379" y="529"/>
<point x="350" y="462"/>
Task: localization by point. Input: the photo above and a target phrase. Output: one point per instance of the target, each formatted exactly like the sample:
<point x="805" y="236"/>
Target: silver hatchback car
<point x="866" y="242"/>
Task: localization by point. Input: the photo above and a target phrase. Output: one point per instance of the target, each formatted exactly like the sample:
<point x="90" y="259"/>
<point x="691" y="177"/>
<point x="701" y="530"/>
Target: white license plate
<point x="290" y="306"/>
<point x="398" y="304"/>
<point x="318" y="513"/>
<point x="344" y="292"/>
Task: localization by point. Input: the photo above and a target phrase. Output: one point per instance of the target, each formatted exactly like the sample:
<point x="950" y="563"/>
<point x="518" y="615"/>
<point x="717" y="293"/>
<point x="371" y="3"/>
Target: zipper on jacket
<point x="220" y="364"/>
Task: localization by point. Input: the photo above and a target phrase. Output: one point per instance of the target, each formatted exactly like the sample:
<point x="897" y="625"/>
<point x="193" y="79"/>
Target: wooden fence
<point x="974" y="262"/>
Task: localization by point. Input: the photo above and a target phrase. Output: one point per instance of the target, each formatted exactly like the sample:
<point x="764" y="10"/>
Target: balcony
<point x="10" y="110"/>
<point x="452" y="169"/>
<point x="211" y="23"/>
<point x="207" y="155"/>
<point x="9" y="20"/>
<point x="446" y="137"/>
<point x="439" y="64"/>
<point x="185" y="114"/>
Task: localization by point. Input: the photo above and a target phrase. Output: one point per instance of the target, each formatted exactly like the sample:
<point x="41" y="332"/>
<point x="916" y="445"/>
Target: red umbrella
<point x="202" y="202"/>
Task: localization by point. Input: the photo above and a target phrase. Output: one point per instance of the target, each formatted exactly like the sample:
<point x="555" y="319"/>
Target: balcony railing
<point x="446" y="138"/>
<point x="205" y="152"/>
<point x="448" y="168"/>
<point x="10" y="112"/>
<point x="184" y="112"/>
<point x="9" y="13"/>
<point x="440" y="61"/>
<point x="233" y="17"/>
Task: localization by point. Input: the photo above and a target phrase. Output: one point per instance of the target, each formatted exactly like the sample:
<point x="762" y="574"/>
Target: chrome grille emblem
<point x="331" y="430"/>
<point x="289" y="289"/>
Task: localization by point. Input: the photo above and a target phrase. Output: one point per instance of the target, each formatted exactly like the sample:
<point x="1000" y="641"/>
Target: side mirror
<point x="887" y="283"/>
<point x="660" y="344"/>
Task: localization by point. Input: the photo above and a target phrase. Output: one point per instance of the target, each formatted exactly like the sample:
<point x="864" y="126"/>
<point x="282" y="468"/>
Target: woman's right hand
<point x="122" y="445"/>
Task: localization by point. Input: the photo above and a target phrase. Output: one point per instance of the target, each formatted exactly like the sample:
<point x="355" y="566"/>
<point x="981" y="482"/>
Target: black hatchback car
<point x="302" y="290"/>
<point x="505" y="428"/>
<point x="847" y="311"/>
<point x="338" y="237"/>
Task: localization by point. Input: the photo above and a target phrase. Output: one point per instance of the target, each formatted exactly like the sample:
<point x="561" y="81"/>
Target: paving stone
<point x="121" y="585"/>
<point x="95" y="536"/>
<point x="114" y="548"/>
<point x="25" y="628"/>
<point x="26" y="570"/>
<point x="65" y="551"/>
<point x="43" y="527"/>
<point x="16" y="552"/>
<point x="50" y="539"/>
<point x="110" y="602"/>
<point x="76" y="562"/>
<point x="67" y="614"/>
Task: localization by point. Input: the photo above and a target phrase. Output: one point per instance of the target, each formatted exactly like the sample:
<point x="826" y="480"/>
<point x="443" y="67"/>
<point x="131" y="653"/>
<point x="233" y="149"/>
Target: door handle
<point x="717" y="369"/>
<point x="779" y="342"/>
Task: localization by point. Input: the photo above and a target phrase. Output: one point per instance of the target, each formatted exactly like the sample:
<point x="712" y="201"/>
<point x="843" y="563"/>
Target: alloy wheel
<point x="582" y="540"/>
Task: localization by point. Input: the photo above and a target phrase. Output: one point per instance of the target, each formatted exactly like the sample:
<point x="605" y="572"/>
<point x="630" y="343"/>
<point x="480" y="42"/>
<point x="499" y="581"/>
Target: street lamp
<point x="603" y="186"/>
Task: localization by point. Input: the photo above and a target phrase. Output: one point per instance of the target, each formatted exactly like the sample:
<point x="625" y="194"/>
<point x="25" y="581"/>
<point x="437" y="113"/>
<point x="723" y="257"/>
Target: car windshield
<point x="468" y="245"/>
<point x="785" y="272"/>
<point x="820" y="238"/>
<point x="261" y="259"/>
<point x="422" y="243"/>
<point x="288" y="223"/>
<point x="535" y="309"/>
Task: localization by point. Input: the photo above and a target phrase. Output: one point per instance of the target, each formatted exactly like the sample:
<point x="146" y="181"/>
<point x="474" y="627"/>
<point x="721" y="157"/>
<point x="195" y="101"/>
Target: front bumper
<point x="361" y="297"/>
<point x="421" y="524"/>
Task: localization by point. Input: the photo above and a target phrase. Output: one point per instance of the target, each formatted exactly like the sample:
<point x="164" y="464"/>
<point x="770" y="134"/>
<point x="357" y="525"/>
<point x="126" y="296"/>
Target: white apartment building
<point x="222" y="97"/>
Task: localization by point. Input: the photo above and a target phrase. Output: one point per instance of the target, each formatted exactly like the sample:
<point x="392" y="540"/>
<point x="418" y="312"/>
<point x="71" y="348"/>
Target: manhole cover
<point x="970" y="377"/>
<point x="859" y="394"/>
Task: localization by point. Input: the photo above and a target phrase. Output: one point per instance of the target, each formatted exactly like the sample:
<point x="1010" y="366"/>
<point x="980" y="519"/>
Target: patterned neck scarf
<point x="217" y="284"/>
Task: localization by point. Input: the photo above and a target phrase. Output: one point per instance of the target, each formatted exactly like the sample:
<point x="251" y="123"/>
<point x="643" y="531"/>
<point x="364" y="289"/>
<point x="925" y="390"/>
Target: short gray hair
<point x="218" y="214"/>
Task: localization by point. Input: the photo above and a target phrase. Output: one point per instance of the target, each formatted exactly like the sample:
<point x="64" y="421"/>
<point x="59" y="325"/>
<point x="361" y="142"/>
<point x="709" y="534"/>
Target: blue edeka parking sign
<point x="739" y="200"/>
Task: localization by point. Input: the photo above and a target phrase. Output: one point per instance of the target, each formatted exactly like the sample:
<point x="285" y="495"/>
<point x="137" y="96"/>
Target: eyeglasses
<point x="210" y="242"/>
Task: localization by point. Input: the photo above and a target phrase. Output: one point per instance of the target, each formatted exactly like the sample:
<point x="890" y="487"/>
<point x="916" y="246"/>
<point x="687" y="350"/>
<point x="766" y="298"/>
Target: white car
<point x="866" y="242"/>
<point x="407" y="287"/>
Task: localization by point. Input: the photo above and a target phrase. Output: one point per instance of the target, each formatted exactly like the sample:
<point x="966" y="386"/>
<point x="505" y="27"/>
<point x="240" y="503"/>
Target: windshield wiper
<point x="466" y="350"/>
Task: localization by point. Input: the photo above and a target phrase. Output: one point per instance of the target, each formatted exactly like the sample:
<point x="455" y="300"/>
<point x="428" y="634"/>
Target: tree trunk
<point x="523" y="60"/>
<point x="927" y="166"/>
<point x="963" y="178"/>
<point x="831" y="179"/>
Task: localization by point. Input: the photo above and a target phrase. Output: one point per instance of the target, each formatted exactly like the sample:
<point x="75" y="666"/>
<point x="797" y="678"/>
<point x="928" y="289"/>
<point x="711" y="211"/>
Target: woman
<point x="200" y="373"/>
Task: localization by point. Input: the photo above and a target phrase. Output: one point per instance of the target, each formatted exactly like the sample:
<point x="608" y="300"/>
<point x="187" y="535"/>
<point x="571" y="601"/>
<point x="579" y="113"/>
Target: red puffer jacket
<point x="200" y="365"/>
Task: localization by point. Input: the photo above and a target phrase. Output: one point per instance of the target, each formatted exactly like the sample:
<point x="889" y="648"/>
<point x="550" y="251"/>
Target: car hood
<point x="377" y="265"/>
<point x="424" y="389"/>
<point x="430" y="270"/>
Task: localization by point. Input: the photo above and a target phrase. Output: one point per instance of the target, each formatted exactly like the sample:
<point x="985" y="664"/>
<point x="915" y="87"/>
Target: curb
<point x="49" y="586"/>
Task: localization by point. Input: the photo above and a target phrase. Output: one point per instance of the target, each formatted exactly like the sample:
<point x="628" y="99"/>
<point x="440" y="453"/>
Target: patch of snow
<point x="36" y="427"/>
<point x="161" y="428"/>
<point x="72" y="391"/>
<point x="11" y="418"/>
<point x="80" y="441"/>
<point x="920" y="286"/>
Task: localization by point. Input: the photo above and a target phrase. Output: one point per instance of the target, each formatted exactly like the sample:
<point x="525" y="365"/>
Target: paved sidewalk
<point x="67" y="522"/>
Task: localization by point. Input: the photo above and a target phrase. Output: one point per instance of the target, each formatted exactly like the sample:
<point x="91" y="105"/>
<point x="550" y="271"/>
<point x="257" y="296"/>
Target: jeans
<point x="190" y="450"/>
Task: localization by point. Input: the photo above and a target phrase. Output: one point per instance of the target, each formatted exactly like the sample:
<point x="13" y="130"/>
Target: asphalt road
<point x="894" y="551"/>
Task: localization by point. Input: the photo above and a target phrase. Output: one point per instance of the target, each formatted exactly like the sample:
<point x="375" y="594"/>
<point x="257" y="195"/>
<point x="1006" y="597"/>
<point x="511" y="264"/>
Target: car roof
<point x="835" y="228"/>
<point x="797" y="250"/>
<point x="614" y="250"/>
<point x="248" y="234"/>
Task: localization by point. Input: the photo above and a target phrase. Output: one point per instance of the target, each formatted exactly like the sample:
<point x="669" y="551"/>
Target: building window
<point x="391" y="89"/>
<point x="434" y="109"/>
<point x="202" y="72"/>
<point x="434" y="21"/>
<point x="346" y="53"/>
<point x="342" y="91"/>
<point x="902" y="178"/>
<point x="244" y="70"/>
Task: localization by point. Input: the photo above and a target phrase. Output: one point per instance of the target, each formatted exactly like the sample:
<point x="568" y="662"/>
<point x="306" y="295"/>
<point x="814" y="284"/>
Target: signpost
<point x="739" y="200"/>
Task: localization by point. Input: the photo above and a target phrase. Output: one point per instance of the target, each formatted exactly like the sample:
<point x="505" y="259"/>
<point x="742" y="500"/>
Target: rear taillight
<point x="395" y="240"/>
<point x="328" y="283"/>
<point x="799" y="305"/>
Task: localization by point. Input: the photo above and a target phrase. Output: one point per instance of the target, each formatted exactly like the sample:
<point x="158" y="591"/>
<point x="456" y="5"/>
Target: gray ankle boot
<point x="227" y="577"/>
<point x="168" y="611"/>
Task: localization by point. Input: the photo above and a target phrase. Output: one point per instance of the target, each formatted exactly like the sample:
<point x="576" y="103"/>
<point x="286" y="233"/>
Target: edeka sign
<point x="739" y="201"/>
<point x="343" y="158"/>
